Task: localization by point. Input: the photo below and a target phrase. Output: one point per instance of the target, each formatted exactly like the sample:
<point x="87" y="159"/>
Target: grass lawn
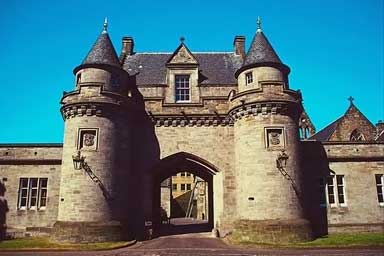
<point x="346" y="240"/>
<point x="330" y="241"/>
<point x="45" y="244"/>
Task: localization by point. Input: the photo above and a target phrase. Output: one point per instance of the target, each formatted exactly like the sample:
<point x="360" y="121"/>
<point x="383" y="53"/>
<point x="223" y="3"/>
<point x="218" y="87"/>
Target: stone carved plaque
<point x="274" y="138"/>
<point x="183" y="56"/>
<point x="88" y="139"/>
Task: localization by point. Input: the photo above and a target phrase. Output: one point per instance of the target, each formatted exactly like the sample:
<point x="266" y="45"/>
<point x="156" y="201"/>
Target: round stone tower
<point x="95" y="152"/>
<point x="265" y="113"/>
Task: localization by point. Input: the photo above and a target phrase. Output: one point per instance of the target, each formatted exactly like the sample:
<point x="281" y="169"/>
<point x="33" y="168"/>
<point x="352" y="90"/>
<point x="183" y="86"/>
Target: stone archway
<point x="171" y="165"/>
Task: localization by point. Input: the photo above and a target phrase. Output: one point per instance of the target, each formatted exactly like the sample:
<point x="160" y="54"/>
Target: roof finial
<point x="182" y="39"/>
<point x="258" y="24"/>
<point x="105" y="25"/>
<point x="351" y="99"/>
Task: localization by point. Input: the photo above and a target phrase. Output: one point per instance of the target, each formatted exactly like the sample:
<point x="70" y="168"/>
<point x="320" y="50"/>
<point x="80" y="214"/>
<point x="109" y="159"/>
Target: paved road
<point x="199" y="245"/>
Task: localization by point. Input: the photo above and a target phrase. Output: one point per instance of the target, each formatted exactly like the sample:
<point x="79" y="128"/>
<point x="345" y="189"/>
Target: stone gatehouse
<point x="231" y="118"/>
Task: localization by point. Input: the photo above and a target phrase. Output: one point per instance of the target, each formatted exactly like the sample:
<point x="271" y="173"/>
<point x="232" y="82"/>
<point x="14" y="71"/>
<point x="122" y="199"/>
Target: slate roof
<point x="261" y="51"/>
<point x="214" y="68"/>
<point x="326" y="133"/>
<point x="102" y="52"/>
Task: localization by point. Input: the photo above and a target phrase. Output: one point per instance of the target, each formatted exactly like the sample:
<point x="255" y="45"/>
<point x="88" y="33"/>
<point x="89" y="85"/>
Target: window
<point x="32" y="193"/>
<point x="336" y="190"/>
<point x="188" y="174"/>
<point x="78" y="78"/>
<point x="356" y="135"/>
<point x="182" y="174"/>
<point x="182" y="89"/>
<point x="248" y="78"/>
<point x="379" y="187"/>
<point x="188" y="186"/>
<point x="182" y="187"/>
<point x="174" y="187"/>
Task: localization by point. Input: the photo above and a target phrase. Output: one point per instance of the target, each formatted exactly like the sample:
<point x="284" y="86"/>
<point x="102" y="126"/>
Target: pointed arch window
<point x="356" y="135"/>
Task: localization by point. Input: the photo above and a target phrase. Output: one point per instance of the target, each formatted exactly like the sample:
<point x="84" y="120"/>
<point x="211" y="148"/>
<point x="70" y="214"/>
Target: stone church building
<point x="231" y="118"/>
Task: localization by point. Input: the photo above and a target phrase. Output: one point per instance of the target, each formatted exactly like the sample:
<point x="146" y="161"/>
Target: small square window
<point x="182" y="187"/>
<point x="248" y="78"/>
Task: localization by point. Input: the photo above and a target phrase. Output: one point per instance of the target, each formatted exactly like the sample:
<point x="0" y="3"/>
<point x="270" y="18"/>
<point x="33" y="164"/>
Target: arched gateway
<point x="171" y="165"/>
<point x="234" y="110"/>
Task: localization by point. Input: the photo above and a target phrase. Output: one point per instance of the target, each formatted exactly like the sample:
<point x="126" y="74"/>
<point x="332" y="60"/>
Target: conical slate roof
<point x="261" y="51"/>
<point x="102" y="52"/>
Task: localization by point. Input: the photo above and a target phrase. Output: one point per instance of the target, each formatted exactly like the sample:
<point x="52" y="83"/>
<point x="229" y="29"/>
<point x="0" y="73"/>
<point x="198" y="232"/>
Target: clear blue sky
<point x="334" y="49"/>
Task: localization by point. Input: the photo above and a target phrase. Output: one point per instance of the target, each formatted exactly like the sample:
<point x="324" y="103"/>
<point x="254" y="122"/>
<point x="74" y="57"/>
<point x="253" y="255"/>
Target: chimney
<point x="239" y="45"/>
<point x="127" y="47"/>
<point x="379" y="127"/>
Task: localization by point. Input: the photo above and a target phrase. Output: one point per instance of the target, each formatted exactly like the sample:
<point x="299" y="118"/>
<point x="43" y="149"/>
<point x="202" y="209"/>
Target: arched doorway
<point x="200" y="170"/>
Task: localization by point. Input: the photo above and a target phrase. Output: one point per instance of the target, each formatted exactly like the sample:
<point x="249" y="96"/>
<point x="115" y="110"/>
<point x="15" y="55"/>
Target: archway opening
<point x="183" y="195"/>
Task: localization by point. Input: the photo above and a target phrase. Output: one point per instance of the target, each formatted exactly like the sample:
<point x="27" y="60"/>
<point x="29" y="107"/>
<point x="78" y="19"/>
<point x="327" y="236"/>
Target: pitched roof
<point x="261" y="51"/>
<point x="214" y="68"/>
<point x="102" y="52"/>
<point x="342" y="126"/>
<point x="326" y="133"/>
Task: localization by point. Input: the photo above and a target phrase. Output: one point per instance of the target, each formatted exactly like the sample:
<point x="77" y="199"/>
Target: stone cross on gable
<point x="351" y="99"/>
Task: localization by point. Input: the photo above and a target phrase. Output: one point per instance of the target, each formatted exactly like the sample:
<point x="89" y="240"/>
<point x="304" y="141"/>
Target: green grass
<point x="346" y="240"/>
<point x="45" y="244"/>
<point x="329" y="241"/>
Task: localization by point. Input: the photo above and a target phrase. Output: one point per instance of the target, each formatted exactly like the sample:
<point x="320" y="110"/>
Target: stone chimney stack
<point x="127" y="47"/>
<point x="379" y="127"/>
<point x="239" y="45"/>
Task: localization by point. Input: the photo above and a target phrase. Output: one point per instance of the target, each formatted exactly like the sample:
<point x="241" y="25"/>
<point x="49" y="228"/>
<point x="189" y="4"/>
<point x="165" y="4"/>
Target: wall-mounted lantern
<point x="78" y="161"/>
<point x="281" y="160"/>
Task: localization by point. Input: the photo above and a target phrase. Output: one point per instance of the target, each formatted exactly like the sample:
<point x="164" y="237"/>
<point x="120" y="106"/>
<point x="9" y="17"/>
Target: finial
<point x="182" y="39"/>
<point x="351" y="99"/>
<point x="258" y="24"/>
<point x="105" y="25"/>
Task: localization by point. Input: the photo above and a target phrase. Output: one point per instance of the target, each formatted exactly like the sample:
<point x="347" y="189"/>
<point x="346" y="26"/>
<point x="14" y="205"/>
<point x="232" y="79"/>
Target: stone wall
<point x="358" y="162"/>
<point x="213" y="144"/>
<point x="30" y="161"/>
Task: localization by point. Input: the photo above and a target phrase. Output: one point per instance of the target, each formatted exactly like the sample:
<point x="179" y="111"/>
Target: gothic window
<point x="32" y="193"/>
<point x="248" y="78"/>
<point x="356" y="135"/>
<point x="379" y="188"/>
<point x="336" y="190"/>
<point x="182" y="88"/>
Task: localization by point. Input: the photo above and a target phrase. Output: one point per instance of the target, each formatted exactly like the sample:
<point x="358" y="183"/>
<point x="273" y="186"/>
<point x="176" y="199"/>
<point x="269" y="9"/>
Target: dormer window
<point x="248" y="78"/>
<point x="182" y="88"/>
